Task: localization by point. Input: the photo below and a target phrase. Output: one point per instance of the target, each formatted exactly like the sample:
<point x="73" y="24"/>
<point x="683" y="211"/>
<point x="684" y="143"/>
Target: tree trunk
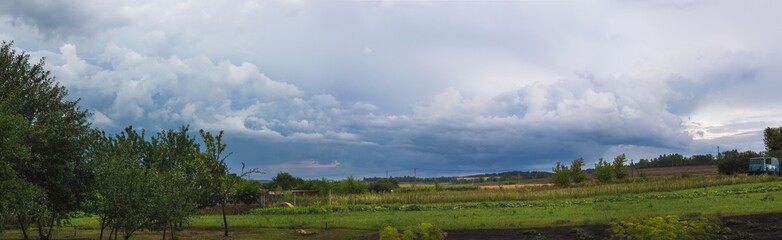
<point x="164" y="233"/>
<point x="102" y="227"/>
<point x="24" y="229"/>
<point x="51" y="225"/>
<point x="225" y="221"/>
<point x="173" y="231"/>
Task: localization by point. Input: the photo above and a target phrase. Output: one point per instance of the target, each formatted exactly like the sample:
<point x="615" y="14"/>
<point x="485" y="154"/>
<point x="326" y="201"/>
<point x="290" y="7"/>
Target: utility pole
<point x="386" y="173"/>
<point x="518" y="177"/>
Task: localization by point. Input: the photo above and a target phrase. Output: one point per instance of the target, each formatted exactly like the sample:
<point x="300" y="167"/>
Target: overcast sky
<point x="338" y="88"/>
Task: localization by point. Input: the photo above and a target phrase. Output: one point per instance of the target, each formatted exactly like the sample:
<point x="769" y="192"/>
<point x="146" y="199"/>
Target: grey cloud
<point x="63" y="19"/>
<point x="468" y="85"/>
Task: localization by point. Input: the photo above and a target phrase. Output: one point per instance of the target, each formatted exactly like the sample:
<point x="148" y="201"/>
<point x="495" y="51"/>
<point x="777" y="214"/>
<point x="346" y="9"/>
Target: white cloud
<point x="101" y="120"/>
<point x="305" y="164"/>
<point x="457" y="83"/>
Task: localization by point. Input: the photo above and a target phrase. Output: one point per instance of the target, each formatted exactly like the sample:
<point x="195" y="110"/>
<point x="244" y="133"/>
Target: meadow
<point x="526" y="207"/>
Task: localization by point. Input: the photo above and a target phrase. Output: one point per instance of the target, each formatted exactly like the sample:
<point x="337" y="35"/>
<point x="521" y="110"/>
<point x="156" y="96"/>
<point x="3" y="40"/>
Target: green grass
<point x="539" y="192"/>
<point x="367" y="219"/>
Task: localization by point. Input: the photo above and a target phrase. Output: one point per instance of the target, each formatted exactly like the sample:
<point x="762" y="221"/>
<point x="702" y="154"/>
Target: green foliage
<point x="620" y="171"/>
<point x="285" y="181"/>
<point x="352" y="185"/>
<point x="248" y="191"/>
<point x="577" y="174"/>
<point x="153" y="184"/>
<point x="20" y="201"/>
<point x="53" y="135"/>
<point x="389" y="233"/>
<point x="668" y="227"/>
<point x="322" y="185"/>
<point x="561" y="174"/>
<point x="384" y="185"/>
<point x="428" y="231"/>
<point x="772" y="137"/>
<point x="603" y="171"/>
<point x="408" y="234"/>
<point x="220" y="180"/>
<point x="423" y="231"/>
<point x="732" y="162"/>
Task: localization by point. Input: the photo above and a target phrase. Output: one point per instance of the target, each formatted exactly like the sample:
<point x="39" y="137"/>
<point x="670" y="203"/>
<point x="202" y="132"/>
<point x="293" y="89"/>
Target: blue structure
<point x="760" y="165"/>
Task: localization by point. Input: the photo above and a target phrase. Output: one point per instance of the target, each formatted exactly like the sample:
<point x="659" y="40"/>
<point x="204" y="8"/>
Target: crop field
<point x="361" y="216"/>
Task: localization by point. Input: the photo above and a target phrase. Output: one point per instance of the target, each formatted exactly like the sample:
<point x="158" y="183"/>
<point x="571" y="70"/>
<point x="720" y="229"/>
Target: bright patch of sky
<point x="339" y="88"/>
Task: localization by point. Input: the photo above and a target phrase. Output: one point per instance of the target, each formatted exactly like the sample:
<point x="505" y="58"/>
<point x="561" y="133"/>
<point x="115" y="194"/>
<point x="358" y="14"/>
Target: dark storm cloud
<point x="62" y="18"/>
<point x="356" y="88"/>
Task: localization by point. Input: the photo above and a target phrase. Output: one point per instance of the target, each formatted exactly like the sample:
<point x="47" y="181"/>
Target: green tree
<point x="140" y="184"/>
<point x="124" y="190"/>
<point x="55" y="131"/>
<point x="576" y="173"/>
<point x="772" y="137"/>
<point x="285" y="181"/>
<point x="219" y="173"/>
<point x="247" y="191"/>
<point x="561" y="174"/>
<point x="620" y="171"/>
<point x="603" y="171"/>
<point x="384" y="185"/>
<point x="733" y="161"/>
<point x="352" y="185"/>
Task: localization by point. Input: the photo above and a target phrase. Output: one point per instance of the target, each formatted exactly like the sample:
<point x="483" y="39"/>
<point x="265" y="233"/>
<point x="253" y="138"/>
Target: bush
<point x="352" y="185"/>
<point x="561" y="174"/>
<point x="668" y="227"/>
<point x="389" y="233"/>
<point x="603" y="171"/>
<point x="384" y="185"/>
<point x="578" y="174"/>
<point x="424" y="231"/>
<point x="731" y="162"/>
<point x="247" y="191"/>
<point x="620" y="171"/>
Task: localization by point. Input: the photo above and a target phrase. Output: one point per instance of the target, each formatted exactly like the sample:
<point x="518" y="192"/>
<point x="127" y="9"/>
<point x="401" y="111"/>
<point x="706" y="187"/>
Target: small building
<point x="760" y="165"/>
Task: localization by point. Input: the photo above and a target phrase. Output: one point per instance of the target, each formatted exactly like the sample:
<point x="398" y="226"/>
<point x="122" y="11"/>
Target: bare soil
<point x="758" y="226"/>
<point x="702" y="170"/>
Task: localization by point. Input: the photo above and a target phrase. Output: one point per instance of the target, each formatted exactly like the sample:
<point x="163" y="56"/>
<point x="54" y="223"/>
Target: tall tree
<point x="576" y="173"/>
<point x="773" y="138"/>
<point x="561" y="174"/>
<point x="603" y="171"/>
<point x="55" y="132"/>
<point x="219" y="173"/>
<point x="620" y="171"/>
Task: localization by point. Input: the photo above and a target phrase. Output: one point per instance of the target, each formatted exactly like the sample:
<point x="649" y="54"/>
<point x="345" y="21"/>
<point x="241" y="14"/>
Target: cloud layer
<point x="357" y="88"/>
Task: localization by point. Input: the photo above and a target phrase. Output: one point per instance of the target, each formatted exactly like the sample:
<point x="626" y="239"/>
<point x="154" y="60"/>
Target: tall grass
<point x="637" y="185"/>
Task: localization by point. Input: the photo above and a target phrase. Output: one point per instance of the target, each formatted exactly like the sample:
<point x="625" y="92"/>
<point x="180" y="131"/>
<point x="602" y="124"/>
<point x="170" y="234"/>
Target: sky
<point x="329" y="89"/>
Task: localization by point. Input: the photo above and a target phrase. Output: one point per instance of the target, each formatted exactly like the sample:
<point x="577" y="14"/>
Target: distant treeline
<point x="670" y="160"/>
<point x="479" y="178"/>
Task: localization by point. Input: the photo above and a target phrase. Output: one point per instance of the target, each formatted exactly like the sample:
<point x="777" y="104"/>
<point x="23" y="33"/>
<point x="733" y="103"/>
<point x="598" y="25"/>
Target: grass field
<point x="734" y="196"/>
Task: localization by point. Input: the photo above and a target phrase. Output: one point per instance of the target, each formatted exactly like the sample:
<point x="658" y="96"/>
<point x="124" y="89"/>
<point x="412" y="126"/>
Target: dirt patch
<point x="703" y="170"/>
<point x="506" y="186"/>
<point x="757" y="226"/>
<point x="571" y="232"/>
